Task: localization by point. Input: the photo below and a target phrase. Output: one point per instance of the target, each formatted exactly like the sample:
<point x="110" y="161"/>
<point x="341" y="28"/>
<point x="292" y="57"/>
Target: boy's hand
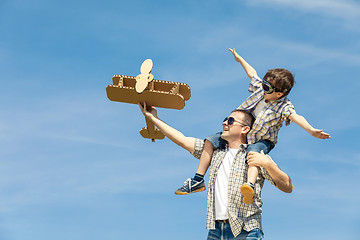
<point x="258" y="159"/>
<point x="236" y="55"/>
<point x="148" y="112"/>
<point x="301" y="121"/>
<point x="319" y="134"/>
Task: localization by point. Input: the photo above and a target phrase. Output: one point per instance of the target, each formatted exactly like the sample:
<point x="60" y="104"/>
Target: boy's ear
<point x="279" y="94"/>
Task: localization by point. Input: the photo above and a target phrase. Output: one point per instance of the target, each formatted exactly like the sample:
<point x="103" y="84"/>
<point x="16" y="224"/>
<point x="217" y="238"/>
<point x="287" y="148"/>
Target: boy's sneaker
<point x="247" y="190"/>
<point x="191" y="186"/>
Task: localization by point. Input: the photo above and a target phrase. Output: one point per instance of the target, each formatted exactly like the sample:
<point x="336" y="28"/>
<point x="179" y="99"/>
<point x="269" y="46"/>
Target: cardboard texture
<point x="144" y="88"/>
<point x="143" y="79"/>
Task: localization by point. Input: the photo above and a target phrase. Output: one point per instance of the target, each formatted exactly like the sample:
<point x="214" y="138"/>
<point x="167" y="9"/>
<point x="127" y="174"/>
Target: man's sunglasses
<point x="231" y="121"/>
<point x="268" y="87"/>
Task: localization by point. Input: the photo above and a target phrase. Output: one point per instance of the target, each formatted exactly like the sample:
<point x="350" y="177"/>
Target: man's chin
<point x="224" y="135"/>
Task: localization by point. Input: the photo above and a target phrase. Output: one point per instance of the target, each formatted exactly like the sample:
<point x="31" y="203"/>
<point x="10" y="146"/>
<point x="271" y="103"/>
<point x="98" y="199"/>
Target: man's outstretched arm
<point x="188" y="143"/>
<point x="281" y="179"/>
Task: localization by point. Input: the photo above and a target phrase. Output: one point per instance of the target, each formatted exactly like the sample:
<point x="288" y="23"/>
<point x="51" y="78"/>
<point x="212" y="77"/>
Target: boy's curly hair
<point x="282" y="79"/>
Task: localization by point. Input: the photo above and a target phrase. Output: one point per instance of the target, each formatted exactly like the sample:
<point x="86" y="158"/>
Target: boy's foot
<point x="191" y="186"/>
<point x="247" y="190"/>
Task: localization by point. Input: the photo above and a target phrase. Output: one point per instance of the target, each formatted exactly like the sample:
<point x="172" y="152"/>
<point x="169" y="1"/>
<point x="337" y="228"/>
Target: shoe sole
<point x="186" y="193"/>
<point x="248" y="194"/>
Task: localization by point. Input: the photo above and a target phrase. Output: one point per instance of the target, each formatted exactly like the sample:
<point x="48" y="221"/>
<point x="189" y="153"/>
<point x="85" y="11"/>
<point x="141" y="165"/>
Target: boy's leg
<point x="197" y="184"/>
<point x="247" y="189"/>
<point x="252" y="174"/>
<point x="205" y="158"/>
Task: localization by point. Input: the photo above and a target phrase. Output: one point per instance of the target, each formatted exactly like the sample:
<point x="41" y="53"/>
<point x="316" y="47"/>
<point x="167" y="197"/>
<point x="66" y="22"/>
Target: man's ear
<point x="246" y="129"/>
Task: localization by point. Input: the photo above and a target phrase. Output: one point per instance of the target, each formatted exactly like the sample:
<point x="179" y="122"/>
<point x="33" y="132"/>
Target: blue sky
<point x="73" y="164"/>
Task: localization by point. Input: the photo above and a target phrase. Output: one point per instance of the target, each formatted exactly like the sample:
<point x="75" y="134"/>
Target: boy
<point x="270" y="106"/>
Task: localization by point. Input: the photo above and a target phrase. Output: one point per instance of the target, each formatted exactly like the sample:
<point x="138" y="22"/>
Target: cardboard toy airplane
<point x="144" y="88"/>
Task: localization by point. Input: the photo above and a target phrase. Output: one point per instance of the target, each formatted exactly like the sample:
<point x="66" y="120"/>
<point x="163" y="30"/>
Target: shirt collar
<point x="283" y="99"/>
<point x="242" y="147"/>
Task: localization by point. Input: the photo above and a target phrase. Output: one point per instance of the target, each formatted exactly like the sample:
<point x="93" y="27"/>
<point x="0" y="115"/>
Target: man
<point x="227" y="216"/>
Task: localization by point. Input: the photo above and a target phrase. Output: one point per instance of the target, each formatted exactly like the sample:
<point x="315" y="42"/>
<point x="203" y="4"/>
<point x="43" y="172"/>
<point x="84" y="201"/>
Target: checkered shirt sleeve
<point x="241" y="216"/>
<point x="257" y="93"/>
<point x="199" y="147"/>
<point x="288" y="109"/>
<point x="255" y="84"/>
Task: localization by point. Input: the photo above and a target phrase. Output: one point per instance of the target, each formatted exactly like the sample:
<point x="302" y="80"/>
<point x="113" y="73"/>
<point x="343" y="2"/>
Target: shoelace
<point x="188" y="181"/>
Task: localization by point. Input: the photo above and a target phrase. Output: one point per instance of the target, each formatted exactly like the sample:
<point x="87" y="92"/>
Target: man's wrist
<point x="152" y="117"/>
<point x="267" y="162"/>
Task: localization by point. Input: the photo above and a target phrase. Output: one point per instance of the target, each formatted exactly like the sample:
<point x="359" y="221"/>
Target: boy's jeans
<point x="264" y="145"/>
<point x="217" y="141"/>
<point x="222" y="231"/>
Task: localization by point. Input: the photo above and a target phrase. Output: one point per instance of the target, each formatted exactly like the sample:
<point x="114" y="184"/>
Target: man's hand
<point x="319" y="134"/>
<point x="282" y="180"/>
<point x="148" y="112"/>
<point x="174" y="135"/>
<point x="258" y="159"/>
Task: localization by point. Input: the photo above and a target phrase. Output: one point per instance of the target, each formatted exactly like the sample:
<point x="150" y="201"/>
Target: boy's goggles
<point x="268" y="87"/>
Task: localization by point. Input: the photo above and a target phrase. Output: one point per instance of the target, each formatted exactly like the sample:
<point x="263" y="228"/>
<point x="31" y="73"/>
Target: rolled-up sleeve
<point x="287" y="111"/>
<point x="199" y="147"/>
<point x="255" y="84"/>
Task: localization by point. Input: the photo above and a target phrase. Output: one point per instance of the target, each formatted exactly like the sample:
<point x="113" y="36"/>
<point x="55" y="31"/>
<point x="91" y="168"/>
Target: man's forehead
<point x="237" y="115"/>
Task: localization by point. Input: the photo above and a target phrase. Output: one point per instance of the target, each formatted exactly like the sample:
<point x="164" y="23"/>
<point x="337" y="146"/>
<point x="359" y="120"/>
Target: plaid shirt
<point x="241" y="216"/>
<point x="269" y="121"/>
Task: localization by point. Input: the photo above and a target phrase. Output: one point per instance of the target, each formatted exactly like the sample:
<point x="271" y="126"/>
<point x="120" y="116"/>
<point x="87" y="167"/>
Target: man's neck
<point x="235" y="144"/>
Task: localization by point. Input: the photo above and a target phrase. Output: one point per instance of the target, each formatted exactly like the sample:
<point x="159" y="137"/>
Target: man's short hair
<point x="248" y="117"/>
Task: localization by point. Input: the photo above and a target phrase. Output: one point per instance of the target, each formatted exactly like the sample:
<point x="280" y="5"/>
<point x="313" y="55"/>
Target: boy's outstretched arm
<point x="188" y="143"/>
<point x="250" y="71"/>
<point x="301" y="121"/>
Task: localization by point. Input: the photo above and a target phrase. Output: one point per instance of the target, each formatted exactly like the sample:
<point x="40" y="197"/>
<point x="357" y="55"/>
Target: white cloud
<point x="343" y="9"/>
<point x="306" y="55"/>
